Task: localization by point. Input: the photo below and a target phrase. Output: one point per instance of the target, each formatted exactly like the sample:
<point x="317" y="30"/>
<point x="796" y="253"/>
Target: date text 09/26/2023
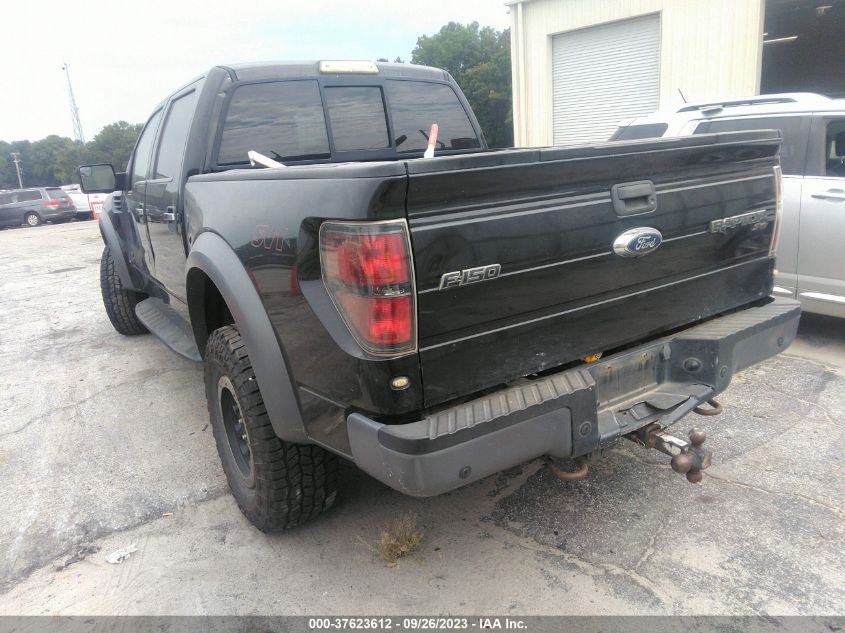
<point x="415" y="623"/>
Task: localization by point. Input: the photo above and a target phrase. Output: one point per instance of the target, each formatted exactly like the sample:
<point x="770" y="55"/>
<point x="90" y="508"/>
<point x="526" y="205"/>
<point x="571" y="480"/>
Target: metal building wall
<point x="708" y="49"/>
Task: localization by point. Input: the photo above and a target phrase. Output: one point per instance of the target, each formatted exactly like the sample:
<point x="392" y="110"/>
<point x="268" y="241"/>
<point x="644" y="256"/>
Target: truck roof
<point x="259" y="71"/>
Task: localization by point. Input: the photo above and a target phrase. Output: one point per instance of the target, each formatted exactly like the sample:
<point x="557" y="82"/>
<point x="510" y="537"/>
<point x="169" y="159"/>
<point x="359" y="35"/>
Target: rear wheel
<point x="277" y="485"/>
<point x="32" y="219"/>
<point x="119" y="302"/>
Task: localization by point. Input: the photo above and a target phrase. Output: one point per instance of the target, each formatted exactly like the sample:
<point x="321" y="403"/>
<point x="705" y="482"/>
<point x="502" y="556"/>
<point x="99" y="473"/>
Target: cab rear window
<point x="283" y="120"/>
<point x="415" y="105"/>
<point x="357" y="117"/>
<point x="287" y="120"/>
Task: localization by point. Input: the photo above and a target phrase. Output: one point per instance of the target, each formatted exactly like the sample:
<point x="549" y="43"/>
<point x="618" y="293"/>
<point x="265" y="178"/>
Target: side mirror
<point x="98" y="178"/>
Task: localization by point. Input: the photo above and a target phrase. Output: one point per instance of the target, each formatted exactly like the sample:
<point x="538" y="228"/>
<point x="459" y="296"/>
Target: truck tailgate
<point x="547" y="217"/>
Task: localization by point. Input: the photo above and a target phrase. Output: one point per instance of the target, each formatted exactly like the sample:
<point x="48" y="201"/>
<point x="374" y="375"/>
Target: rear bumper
<point x="64" y="214"/>
<point x="573" y="412"/>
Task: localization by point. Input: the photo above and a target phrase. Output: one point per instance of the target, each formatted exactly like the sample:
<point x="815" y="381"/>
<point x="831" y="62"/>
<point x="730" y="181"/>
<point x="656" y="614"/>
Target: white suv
<point x="811" y="247"/>
<point x="87" y="205"/>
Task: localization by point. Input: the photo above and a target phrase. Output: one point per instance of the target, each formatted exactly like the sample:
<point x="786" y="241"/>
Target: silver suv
<point x="811" y="247"/>
<point x="35" y="206"/>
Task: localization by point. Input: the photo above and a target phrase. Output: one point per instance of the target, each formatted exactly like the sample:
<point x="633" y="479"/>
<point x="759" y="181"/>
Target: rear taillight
<point x="52" y="203"/>
<point x="368" y="274"/>
<point x="778" y="208"/>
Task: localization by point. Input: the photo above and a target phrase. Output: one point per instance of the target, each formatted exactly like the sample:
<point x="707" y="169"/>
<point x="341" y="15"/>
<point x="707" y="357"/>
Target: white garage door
<point x="603" y="74"/>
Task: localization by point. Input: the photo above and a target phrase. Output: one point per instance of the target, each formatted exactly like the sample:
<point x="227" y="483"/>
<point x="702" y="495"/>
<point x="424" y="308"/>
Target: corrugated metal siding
<point x="603" y="74"/>
<point x="709" y="49"/>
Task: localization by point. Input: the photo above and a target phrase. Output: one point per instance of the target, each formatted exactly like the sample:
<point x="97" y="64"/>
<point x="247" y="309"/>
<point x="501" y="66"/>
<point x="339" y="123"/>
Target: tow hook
<point x="689" y="457"/>
<point x="565" y="475"/>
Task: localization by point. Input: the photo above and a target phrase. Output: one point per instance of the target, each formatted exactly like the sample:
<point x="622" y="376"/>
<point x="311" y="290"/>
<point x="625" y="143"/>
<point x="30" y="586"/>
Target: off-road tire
<point x="288" y="484"/>
<point x="32" y="219"/>
<point x="119" y="302"/>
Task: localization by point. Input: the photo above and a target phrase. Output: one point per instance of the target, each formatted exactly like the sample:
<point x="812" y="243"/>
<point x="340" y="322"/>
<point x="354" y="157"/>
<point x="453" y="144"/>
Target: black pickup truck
<point x="432" y="319"/>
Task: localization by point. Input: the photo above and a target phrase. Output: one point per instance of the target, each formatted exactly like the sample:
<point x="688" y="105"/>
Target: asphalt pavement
<point x="105" y="444"/>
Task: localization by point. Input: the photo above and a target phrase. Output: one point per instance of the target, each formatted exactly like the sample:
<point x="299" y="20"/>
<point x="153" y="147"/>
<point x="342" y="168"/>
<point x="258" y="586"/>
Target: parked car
<point x="86" y="203"/>
<point x="35" y="206"/>
<point x="810" y="253"/>
<point x="433" y="320"/>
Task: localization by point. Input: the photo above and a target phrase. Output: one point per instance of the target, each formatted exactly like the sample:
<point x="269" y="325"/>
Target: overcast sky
<point x="124" y="57"/>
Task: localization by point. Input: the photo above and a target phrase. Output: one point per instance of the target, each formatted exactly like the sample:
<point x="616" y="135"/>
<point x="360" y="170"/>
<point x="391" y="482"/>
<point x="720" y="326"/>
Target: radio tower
<point x="74" y="111"/>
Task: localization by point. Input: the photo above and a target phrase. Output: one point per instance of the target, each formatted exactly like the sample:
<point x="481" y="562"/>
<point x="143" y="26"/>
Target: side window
<point x="281" y="119"/>
<point x="5" y="198"/>
<point x="637" y="132"/>
<point x="835" y="149"/>
<point x="141" y="158"/>
<point x="794" y="129"/>
<point x="357" y="117"/>
<point x="29" y="196"/>
<point x="415" y="105"/>
<point x="171" y="145"/>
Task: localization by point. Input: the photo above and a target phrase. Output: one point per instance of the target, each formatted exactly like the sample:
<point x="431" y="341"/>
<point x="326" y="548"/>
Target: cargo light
<point x="343" y="67"/>
<point x="778" y="208"/>
<point x="368" y="274"/>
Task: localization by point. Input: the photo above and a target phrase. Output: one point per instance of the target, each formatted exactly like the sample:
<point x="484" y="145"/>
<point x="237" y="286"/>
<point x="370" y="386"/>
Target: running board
<point x="166" y="324"/>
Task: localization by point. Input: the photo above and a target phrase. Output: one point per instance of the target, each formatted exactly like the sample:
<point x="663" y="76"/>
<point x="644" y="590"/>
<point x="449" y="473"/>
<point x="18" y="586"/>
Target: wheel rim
<point x="236" y="431"/>
<point x="32" y="219"/>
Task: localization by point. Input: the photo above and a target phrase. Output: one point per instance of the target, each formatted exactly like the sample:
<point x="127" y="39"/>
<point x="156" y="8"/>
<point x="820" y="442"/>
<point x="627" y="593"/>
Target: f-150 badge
<point x="637" y="242"/>
<point x="469" y="276"/>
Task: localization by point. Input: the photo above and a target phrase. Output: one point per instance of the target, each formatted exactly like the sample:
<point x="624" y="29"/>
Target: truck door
<point x="136" y="191"/>
<point x="821" y="256"/>
<point x="163" y="203"/>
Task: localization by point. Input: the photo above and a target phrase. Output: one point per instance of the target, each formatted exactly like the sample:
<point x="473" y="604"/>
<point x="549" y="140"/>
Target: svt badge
<point x="637" y="242"/>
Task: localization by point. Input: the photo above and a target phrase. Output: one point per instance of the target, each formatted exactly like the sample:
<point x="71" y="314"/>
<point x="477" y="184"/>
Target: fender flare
<point x="112" y="240"/>
<point x="211" y="254"/>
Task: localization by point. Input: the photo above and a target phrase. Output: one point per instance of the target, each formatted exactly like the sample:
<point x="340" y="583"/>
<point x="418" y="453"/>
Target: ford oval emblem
<point x="637" y="242"/>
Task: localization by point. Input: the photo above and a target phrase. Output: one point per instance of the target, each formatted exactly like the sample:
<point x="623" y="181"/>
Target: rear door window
<point x="171" y="145"/>
<point x="283" y="120"/>
<point x="28" y="196"/>
<point x="415" y="105"/>
<point x="794" y="129"/>
<point x="357" y="118"/>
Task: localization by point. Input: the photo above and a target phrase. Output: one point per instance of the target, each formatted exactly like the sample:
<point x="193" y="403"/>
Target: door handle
<point x="633" y="198"/>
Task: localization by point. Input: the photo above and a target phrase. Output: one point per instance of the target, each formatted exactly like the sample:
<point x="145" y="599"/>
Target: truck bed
<point x="546" y="217"/>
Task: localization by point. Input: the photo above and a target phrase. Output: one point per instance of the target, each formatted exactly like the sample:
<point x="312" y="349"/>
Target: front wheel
<point x="277" y="484"/>
<point x="119" y="302"/>
<point x="32" y="219"/>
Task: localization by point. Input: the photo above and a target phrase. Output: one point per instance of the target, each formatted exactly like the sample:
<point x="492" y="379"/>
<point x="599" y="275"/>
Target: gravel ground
<point x="104" y="443"/>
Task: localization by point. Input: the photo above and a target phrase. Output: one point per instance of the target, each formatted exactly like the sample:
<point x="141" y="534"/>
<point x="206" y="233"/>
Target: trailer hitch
<point x="689" y="457"/>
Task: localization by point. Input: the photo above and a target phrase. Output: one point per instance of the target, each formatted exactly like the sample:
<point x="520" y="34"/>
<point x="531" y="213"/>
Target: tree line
<point x="53" y="160"/>
<point x="478" y="58"/>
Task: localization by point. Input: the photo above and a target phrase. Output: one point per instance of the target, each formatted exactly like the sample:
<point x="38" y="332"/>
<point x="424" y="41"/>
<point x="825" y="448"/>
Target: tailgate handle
<point x="633" y="198"/>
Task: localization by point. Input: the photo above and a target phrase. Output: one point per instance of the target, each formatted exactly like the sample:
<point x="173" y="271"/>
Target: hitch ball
<point x="692" y="460"/>
<point x="689" y="457"/>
